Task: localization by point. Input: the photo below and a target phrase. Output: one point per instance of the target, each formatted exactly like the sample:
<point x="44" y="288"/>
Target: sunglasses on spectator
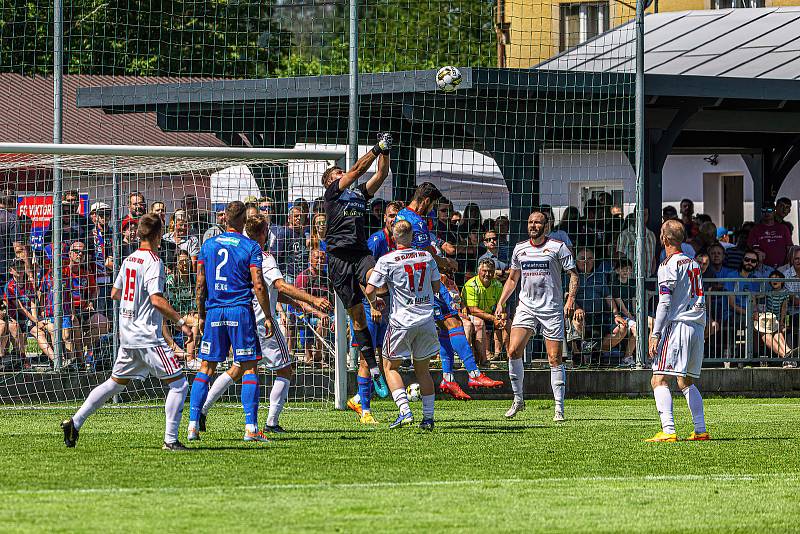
<point x="265" y="208"/>
<point x="77" y="251"/>
<point x="490" y="238"/>
<point x="767" y="210"/>
<point x="750" y="260"/>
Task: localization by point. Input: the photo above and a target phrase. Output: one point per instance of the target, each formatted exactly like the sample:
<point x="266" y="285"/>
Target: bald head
<point x="537" y="225"/>
<point x="673" y="233"/>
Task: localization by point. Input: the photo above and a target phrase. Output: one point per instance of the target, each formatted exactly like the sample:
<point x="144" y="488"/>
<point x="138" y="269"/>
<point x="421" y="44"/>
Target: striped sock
<point x="197" y="397"/>
<point x="250" y="401"/>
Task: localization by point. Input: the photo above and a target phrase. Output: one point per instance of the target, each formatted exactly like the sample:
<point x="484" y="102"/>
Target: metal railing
<point x="733" y="336"/>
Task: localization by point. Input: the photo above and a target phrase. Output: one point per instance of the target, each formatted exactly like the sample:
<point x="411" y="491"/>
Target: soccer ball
<point x="413" y="392"/>
<point x="448" y="78"/>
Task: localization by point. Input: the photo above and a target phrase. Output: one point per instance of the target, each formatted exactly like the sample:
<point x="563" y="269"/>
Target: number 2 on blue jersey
<point x="224" y="253"/>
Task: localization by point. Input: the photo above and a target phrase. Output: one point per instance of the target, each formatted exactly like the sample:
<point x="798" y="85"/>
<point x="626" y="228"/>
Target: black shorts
<point x="347" y="271"/>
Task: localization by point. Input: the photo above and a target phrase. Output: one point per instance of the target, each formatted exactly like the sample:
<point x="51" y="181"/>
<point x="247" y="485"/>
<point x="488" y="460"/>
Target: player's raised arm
<point x="377" y="179"/>
<point x="363" y="164"/>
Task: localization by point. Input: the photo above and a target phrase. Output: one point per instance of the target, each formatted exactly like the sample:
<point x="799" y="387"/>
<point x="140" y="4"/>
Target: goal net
<point x="104" y="191"/>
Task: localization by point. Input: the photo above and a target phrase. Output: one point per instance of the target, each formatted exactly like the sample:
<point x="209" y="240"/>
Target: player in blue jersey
<point x="228" y="275"/>
<point x="451" y="330"/>
<point x="349" y="259"/>
<point x="379" y="243"/>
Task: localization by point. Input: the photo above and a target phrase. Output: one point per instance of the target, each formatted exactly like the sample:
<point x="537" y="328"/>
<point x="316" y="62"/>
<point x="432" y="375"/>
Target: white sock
<point x="251" y="428"/>
<point x="427" y="406"/>
<point x="475" y="373"/>
<point x="448" y="377"/>
<point x="173" y="408"/>
<point x="374" y="371"/>
<point x="356" y="398"/>
<point x="558" y="381"/>
<point x="664" y="405"/>
<point x="401" y="399"/>
<point x="220" y="385"/>
<point x="96" y="399"/>
<point x="277" y="398"/>
<point x="516" y="372"/>
<point x="695" y="402"/>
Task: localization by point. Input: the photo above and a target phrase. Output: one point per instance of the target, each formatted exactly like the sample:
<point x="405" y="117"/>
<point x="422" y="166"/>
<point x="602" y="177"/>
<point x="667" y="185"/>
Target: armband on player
<point x="181" y="322"/>
<point x="656" y="335"/>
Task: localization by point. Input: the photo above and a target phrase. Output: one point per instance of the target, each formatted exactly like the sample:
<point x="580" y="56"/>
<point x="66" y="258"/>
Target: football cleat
<point x="402" y="420"/>
<point x="518" y="406"/>
<point x="355" y="406"/>
<point x="256" y="436"/>
<point x="380" y="386"/>
<point x="70" y="432"/>
<point x="426" y="425"/>
<point x="483" y="381"/>
<point x="273" y="429"/>
<point x="663" y="437"/>
<point x="454" y="390"/>
<point x="559" y="417"/>
<point x="368" y="419"/>
<point x="698" y="436"/>
<point x="174" y="446"/>
<point x="193" y="434"/>
<point x="201" y="423"/>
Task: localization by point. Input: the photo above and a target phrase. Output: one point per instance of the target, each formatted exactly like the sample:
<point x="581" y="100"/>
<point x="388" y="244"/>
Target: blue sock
<point x="459" y="341"/>
<point x="446" y="352"/>
<point x="364" y="391"/>
<point x="198" y="396"/>
<point x="250" y="398"/>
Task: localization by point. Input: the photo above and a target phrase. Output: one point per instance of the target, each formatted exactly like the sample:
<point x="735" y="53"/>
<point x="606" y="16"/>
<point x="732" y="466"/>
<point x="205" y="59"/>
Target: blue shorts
<point x="443" y="307"/>
<point x="377" y="331"/>
<point x="227" y="328"/>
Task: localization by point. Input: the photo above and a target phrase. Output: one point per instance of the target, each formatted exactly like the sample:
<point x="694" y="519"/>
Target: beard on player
<point x="535" y="231"/>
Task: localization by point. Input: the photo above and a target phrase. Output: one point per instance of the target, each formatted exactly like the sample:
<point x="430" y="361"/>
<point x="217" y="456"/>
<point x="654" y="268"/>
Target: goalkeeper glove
<point x="384" y="144"/>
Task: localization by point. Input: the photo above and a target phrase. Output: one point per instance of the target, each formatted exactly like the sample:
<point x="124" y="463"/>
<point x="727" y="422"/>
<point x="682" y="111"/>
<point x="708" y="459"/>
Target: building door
<point x="723" y="198"/>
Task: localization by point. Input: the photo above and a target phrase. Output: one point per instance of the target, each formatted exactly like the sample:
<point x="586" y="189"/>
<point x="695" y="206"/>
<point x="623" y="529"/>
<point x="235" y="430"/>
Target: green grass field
<point x="476" y="472"/>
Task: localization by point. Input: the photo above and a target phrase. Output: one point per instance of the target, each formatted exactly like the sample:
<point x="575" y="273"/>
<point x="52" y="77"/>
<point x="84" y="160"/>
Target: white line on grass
<point x="720" y="477"/>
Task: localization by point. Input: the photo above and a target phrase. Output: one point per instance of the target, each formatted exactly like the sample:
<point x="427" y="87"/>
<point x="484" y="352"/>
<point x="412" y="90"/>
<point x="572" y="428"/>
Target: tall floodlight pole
<point x="641" y="259"/>
<point x="58" y="121"/>
<point x="342" y="346"/>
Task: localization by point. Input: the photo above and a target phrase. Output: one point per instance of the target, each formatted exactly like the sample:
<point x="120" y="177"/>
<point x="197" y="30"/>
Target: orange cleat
<point x="483" y="381"/>
<point x="454" y="390"/>
<point x="355" y="406"/>
<point x="698" y="436"/>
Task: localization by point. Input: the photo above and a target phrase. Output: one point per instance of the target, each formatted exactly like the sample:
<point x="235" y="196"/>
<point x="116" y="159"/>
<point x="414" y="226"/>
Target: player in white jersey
<point x="139" y="287"/>
<point x="412" y="278"/>
<point x="274" y="350"/>
<point x="539" y="262"/>
<point x="677" y="340"/>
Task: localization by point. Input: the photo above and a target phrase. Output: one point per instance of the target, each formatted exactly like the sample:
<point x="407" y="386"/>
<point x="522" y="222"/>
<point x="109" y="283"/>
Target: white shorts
<point x="551" y="325"/>
<point x="680" y="351"/>
<point x="419" y="342"/>
<point x="274" y="350"/>
<point x="138" y="364"/>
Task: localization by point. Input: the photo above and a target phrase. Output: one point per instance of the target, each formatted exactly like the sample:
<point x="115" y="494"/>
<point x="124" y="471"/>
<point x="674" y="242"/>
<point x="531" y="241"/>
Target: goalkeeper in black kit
<point x="349" y="258"/>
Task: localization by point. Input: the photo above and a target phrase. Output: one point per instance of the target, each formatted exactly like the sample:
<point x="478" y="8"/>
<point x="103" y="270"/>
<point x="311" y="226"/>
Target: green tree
<point x="231" y="38"/>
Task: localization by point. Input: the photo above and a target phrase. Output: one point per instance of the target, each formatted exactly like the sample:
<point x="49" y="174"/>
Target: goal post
<point x="105" y="189"/>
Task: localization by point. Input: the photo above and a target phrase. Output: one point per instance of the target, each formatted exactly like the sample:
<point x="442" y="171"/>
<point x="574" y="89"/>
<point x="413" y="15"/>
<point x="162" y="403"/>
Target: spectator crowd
<point x="601" y="238"/>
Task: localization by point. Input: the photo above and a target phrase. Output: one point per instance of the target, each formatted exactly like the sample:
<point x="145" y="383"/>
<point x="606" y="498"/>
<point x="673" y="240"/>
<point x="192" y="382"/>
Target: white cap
<point x="99" y="206"/>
